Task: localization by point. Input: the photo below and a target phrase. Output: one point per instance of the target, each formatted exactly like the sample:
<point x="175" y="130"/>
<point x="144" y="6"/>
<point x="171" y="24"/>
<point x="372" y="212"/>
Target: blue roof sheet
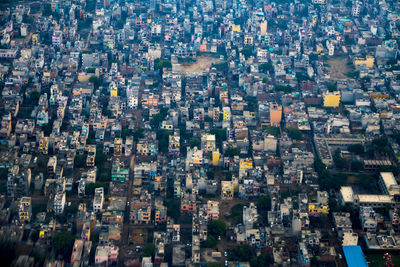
<point x="354" y="256"/>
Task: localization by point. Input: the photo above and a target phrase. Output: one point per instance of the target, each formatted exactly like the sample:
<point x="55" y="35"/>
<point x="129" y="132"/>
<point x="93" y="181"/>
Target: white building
<point x="98" y="199"/>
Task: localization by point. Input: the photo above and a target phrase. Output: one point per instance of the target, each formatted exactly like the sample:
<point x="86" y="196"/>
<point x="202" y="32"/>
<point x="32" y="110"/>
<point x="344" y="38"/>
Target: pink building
<point x="106" y="255"/>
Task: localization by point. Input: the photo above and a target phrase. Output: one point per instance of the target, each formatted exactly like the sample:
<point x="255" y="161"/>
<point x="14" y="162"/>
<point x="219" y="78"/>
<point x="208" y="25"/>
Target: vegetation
<point x="160" y="64"/>
<point x="295" y="134"/>
<point x="217" y="228"/>
<point x="275" y="131"/>
<point x="265" y="67"/>
<point x="79" y="161"/>
<point x="62" y="244"/>
<point x="149" y="250"/>
<point x="232" y="151"/>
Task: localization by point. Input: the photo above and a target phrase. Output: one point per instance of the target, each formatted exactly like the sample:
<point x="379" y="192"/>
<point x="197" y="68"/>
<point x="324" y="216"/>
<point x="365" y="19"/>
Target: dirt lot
<point x="202" y="64"/>
<point x="338" y="68"/>
<point x="225" y="207"/>
<point x="138" y="236"/>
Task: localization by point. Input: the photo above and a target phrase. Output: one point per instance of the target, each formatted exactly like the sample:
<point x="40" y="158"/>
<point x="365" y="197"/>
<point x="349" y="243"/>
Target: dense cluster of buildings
<point x="181" y="133"/>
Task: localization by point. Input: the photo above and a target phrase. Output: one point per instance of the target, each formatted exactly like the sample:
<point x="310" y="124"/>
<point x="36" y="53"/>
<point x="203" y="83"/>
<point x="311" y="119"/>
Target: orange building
<point x="275" y="114"/>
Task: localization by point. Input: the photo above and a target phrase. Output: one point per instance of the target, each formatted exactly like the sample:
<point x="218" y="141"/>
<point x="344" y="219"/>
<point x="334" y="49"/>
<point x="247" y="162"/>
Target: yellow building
<point x="246" y="164"/>
<point x="114" y="91"/>
<point x="318" y="208"/>
<point x="331" y="99"/>
<point x="44" y="145"/>
<point x="215" y="158"/>
<point x="24" y="209"/>
<point x="208" y="142"/>
<point x="35" y="39"/>
<point x="226" y="111"/>
<point x="117" y="146"/>
<point x="367" y="62"/>
<point x="227" y="189"/>
<point x="236" y="28"/>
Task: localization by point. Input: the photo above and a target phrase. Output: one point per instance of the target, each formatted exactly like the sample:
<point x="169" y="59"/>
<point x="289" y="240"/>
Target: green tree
<point x="96" y="81"/>
<point x="210" y="242"/>
<point x="264" y="259"/>
<point x="100" y="157"/>
<point x="357" y="166"/>
<point x="90" y="188"/>
<point x="214" y="264"/>
<point x="217" y="228"/>
<point x="295" y="134"/>
<point x="137" y="134"/>
<point x="265" y="67"/>
<point x="7" y="252"/>
<point x="161" y="63"/>
<point x="79" y="161"/>
<point x="242" y="253"/>
<point x="62" y="244"/>
<point x="163" y="140"/>
<point x="264" y="203"/>
<point x="195" y="142"/>
<point x="356" y="148"/>
<point x="340" y="162"/>
<point x="232" y="151"/>
<point x="247" y="51"/>
<point x="149" y="250"/>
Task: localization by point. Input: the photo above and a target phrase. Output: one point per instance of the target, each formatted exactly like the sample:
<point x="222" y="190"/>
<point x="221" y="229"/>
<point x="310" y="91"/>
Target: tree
<point x="283" y="88"/>
<point x="137" y="134"/>
<point x="357" y="166"/>
<point x="79" y="161"/>
<point x="237" y="214"/>
<point x="47" y="128"/>
<point x="195" y="142"/>
<point x="62" y="244"/>
<point x="265" y="80"/>
<point x="90" y="188"/>
<point x="96" y="81"/>
<point x="7" y="252"/>
<point x="265" y="67"/>
<point x="232" y="151"/>
<point x="264" y="203"/>
<point x="222" y="67"/>
<point x="34" y="236"/>
<point x="214" y="264"/>
<point x="247" y="51"/>
<point x="242" y="253"/>
<point x="356" y="148"/>
<point x="210" y="242"/>
<point x="340" y="162"/>
<point x="295" y="134"/>
<point x="159" y="64"/>
<point x="156" y="120"/>
<point x="217" y="228"/>
<point x="149" y="250"/>
<point x="264" y="259"/>
<point x="163" y="140"/>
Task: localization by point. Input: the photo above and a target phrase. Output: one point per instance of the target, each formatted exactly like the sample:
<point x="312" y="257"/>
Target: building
<point x="354" y="256"/>
<point x="388" y="184"/>
<point x="227" y="189"/>
<point x="368" y="62"/>
<point x="332" y="99"/>
<point x="275" y="114"/>
<point x="56" y="38"/>
<point x="98" y="199"/>
<point x="24" y="209"/>
<point x="106" y="255"/>
<point x="119" y="172"/>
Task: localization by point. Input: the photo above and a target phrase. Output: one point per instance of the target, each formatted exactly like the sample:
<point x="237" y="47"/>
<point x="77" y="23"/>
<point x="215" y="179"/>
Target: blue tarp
<point x="354" y="256"/>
